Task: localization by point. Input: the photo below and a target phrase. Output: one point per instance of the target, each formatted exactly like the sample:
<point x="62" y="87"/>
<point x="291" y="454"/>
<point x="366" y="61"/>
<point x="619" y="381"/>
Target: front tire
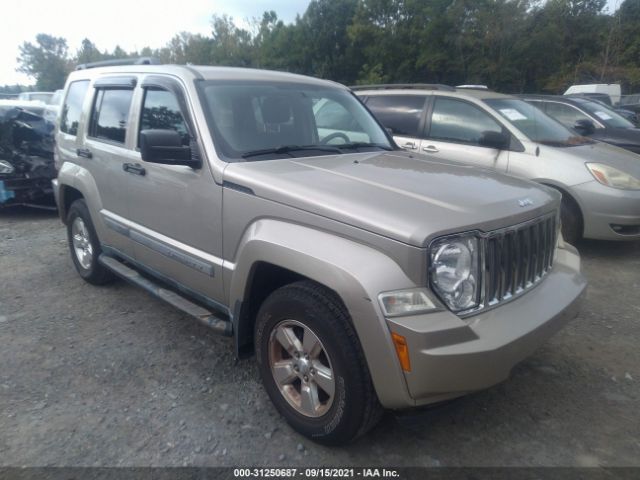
<point x="571" y="219"/>
<point x="84" y="245"/>
<point x="312" y="364"/>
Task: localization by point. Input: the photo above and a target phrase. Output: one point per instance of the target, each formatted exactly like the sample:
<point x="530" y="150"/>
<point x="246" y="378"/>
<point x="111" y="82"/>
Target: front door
<point x="175" y="210"/>
<point x="456" y="130"/>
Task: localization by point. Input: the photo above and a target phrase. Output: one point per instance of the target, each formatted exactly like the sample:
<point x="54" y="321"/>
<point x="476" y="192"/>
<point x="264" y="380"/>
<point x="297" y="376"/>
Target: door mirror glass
<point x="497" y="140"/>
<point x="584" y="126"/>
<point x="165" y="146"/>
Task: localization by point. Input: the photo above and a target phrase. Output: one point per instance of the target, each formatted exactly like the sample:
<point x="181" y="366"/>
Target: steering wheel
<point x="333" y="135"/>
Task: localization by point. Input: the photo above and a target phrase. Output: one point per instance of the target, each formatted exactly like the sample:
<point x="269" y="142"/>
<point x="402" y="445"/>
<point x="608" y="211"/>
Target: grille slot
<point x="517" y="258"/>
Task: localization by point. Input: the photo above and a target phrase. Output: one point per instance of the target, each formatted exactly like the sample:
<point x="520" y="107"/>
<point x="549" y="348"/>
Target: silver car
<point x="600" y="183"/>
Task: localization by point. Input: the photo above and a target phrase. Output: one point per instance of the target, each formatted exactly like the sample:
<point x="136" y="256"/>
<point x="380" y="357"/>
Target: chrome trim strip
<point x="178" y="251"/>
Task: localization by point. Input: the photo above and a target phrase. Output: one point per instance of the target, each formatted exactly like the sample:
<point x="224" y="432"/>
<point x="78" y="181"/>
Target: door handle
<point x="430" y="149"/>
<point x="410" y="145"/>
<point x="84" y="152"/>
<point x="134" y="168"/>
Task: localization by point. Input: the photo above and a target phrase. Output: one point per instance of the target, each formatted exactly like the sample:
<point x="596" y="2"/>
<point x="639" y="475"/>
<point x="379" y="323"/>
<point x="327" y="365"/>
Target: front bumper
<point x="452" y="356"/>
<point x="607" y="209"/>
<point x="25" y="190"/>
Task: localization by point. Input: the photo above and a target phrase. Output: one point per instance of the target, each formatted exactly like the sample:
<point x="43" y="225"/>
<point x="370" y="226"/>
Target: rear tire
<point x="85" y="246"/>
<point x="312" y="364"/>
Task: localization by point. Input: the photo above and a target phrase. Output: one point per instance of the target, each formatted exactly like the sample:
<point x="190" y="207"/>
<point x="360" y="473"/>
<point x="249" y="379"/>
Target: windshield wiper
<point x="354" y="145"/>
<point x="291" y="148"/>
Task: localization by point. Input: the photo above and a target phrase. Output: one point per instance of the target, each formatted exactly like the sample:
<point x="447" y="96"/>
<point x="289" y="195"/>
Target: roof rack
<point x="120" y="61"/>
<point x="413" y="86"/>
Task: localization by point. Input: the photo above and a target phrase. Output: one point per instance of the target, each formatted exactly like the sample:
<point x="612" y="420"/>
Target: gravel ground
<point x="107" y="376"/>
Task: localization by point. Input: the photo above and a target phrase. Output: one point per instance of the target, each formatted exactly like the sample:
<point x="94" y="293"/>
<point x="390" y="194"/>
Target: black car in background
<point x="26" y="156"/>
<point x="589" y="118"/>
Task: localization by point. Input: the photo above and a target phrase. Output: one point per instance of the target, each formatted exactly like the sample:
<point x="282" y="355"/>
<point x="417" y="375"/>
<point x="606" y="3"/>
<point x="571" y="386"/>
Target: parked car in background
<point x="589" y="118"/>
<point x="630" y="103"/>
<point x="600" y="183"/>
<point x="43" y="97"/>
<point x="26" y="155"/>
<point x="274" y="208"/>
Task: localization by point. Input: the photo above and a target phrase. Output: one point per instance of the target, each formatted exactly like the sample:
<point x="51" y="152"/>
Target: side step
<point x="217" y="324"/>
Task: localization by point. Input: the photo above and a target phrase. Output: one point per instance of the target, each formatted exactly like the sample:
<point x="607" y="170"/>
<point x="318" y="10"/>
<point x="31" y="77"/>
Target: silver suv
<point x="275" y="209"/>
<point x="600" y="183"/>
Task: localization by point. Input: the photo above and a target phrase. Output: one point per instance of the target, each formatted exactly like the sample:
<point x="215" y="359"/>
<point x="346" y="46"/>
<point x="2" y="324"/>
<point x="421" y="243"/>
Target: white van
<point x="612" y="89"/>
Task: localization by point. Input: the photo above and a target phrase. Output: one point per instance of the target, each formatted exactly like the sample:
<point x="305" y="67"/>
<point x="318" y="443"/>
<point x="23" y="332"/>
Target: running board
<point x="217" y="324"/>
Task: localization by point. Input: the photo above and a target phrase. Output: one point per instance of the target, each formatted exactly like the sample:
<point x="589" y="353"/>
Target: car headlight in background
<point x="6" y="167"/>
<point x="612" y="177"/>
<point x="454" y="272"/>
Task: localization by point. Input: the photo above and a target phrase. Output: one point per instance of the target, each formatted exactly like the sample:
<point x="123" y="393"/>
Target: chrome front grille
<point x="516" y="258"/>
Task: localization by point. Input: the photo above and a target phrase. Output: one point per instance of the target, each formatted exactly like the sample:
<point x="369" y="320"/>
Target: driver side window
<point x="160" y="111"/>
<point x="335" y="124"/>
<point x="460" y="122"/>
<point x="565" y="114"/>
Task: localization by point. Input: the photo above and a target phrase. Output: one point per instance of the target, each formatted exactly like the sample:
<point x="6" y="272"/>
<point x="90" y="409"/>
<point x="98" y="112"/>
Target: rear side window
<point x="111" y="114"/>
<point x="161" y="111"/>
<point x="400" y="113"/>
<point x="460" y="122"/>
<point x="72" y="107"/>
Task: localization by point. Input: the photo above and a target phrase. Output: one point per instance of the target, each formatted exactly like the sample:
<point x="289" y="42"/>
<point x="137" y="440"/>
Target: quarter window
<point x="400" y="113"/>
<point x="111" y="114"/>
<point x="161" y="111"/>
<point x="460" y="122"/>
<point x="72" y="107"/>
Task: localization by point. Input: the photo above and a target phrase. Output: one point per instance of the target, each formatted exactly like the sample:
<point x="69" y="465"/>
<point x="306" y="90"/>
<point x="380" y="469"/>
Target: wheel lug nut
<point x="306" y="379"/>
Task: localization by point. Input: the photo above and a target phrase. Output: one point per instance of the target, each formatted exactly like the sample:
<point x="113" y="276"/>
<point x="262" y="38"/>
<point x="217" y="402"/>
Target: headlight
<point x="6" y="167"/>
<point x="612" y="177"/>
<point x="454" y="272"/>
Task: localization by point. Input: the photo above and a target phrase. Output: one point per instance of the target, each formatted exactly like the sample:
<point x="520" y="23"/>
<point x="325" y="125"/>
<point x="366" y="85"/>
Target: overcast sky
<point x="132" y="24"/>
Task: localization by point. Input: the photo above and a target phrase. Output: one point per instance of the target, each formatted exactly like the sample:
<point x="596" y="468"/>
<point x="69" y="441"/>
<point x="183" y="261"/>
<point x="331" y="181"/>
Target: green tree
<point x="47" y="61"/>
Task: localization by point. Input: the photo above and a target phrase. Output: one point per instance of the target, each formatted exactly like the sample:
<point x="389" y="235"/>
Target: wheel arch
<point x="274" y="253"/>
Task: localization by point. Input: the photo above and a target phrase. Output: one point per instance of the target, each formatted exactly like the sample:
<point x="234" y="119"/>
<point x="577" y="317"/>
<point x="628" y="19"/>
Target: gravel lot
<point x="111" y="376"/>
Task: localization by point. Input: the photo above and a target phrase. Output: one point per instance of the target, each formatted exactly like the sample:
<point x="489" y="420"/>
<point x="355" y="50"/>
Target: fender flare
<point x="356" y="272"/>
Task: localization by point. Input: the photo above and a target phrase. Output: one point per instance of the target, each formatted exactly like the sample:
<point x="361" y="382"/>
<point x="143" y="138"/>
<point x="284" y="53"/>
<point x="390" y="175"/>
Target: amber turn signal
<point x="402" y="350"/>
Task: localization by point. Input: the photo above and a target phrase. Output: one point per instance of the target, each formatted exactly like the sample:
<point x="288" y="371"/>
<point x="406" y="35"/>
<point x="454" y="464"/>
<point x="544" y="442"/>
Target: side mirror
<point x="497" y="140"/>
<point x="165" y="147"/>
<point x="584" y="126"/>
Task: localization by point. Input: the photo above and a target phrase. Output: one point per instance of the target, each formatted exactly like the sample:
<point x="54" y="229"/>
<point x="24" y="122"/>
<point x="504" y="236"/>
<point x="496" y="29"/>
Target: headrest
<point x="276" y="110"/>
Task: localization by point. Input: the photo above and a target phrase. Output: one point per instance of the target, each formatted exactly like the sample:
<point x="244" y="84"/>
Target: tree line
<point x="510" y="45"/>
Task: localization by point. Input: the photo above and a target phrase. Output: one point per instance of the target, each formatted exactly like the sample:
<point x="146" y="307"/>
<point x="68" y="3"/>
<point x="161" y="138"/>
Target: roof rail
<point x="415" y="86"/>
<point x="120" y="61"/>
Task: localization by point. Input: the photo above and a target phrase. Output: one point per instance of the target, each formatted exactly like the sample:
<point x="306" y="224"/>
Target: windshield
<point x="260" y="120"/>
<point x="605" y="115"/>
<point x="534" y="123"/>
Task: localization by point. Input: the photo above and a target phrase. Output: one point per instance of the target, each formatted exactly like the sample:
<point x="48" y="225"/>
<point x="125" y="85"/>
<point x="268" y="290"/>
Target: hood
<point x="628" y="138"/>
<point x="608" y="154"/>
<point x="406" y="197"/>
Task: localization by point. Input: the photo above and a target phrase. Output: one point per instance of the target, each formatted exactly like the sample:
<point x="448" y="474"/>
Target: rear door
<point x="105" y="146"/>
<point x="404" y="115"/>
<point x="455" y="129"/>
